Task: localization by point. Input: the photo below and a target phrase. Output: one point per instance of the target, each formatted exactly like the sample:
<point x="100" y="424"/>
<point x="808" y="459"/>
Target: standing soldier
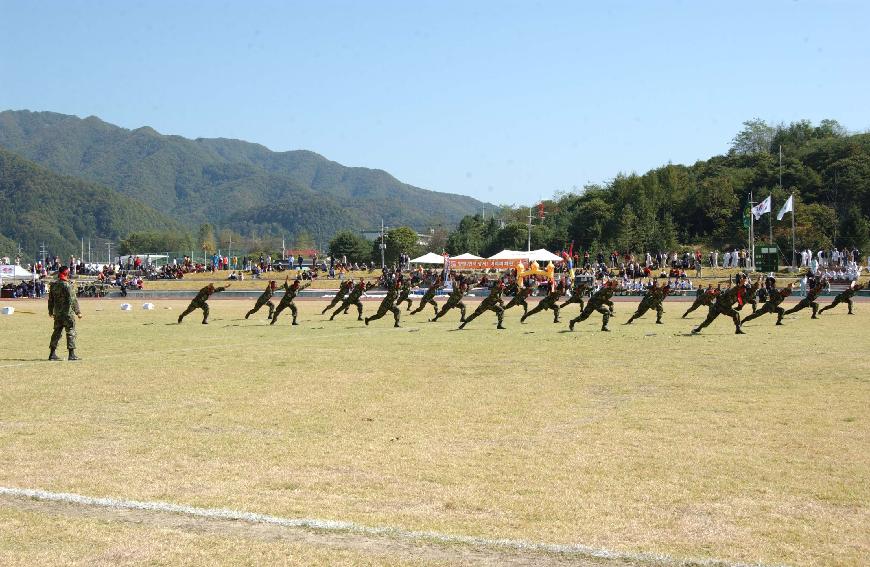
<point x="810" y="299"/>
<point x="388" y="304"/>
<point x="460" y="288"/>
<point x="62" y="306"/>
<point x="199" y="302"/>
<point x="353" y="299"/>
<point x="343" y="289"/>
<point x="264" y="300"/>
<point x="724" y="305"/>
<point x="597" y="303"/>
<point x="405" y="293"/>
<point x="846" y="295"/>
<point x="577" y="293"/>
<point x="491" y="302"/>
<point x="705" y="297"/>
<point x="775" y="298"/>
<point x="521" y="294"/>
<point x="550" y="301"/>
<point x="429" y="297"/>
<point x="290" y="292"/>
<point x="652" y="299"/>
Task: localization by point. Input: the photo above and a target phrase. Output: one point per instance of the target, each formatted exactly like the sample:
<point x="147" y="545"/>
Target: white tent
<point x="429" y="258"/>
<point x="14" y="272"/>
<point x="466" y="256"/>
<point x="542" y="255"/>
<point x="509" y="255"/>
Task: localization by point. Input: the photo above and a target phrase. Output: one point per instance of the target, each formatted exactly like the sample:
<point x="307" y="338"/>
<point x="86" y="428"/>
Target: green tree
<point x="756" y="137"/>
<point x="350" y="244"/>
<point x="206" y="239"/>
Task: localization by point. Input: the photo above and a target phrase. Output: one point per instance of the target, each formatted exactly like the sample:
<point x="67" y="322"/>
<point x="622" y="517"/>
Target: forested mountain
<point x="705" y="203"/>
<point x="230" y="183"/>
<point x="38" y="206"/>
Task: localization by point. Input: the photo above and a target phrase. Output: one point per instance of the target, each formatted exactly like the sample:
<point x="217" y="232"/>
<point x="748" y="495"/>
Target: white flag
<point x="787" y="208"/>
<point x="761" y="208"/>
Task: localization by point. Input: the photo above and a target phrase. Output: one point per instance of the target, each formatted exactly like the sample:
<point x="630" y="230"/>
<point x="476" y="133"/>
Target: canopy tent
<point x="509" y="255"/>
<point x="14" y="272"/>
<point x="466" y="256"/>
<point x="429" y="258"/>
<point x="542" y="255"/>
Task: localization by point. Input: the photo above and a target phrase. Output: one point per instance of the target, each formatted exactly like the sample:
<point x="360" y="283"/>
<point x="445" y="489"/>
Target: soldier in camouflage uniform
<point x="751" y="296"/>
<point x="491" y="302"/>
<point x="521" y="294"/>
<point x="652" y="299"/>
<point x="597" y="302"/>
<point x="550" y="301"/>
<point x="199" y="302"/>
<point x="429" y="297"/>
<point x="264" y="300"/>
<point x="704" y="298"/>
<point x="724" y="305"/>
<point x="405" y="293"/>
<point x="388" y="304"/>
<point x="353" y="299"/>
<point x="64" y="308"/>
<point x="810" y="300"/>
<point x="772" y="305"/>
<point x="577" y="293"/>
<point x="460" y="288"/>
<point x="844" y="296"/>
<point x="345" y="287"/>
<point x="290" y="292"/>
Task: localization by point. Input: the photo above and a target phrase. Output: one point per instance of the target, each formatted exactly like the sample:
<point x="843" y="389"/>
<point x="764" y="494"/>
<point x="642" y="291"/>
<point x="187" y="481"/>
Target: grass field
<point x="751" y="448"/>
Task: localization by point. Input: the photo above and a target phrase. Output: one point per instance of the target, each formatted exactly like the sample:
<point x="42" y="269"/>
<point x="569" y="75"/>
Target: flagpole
<point x="752" y="230"/>
<point x="793" y="258"/>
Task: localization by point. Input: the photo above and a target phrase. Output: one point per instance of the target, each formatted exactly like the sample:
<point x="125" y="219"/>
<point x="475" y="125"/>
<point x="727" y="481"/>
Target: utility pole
<point x="42" y="249"/>
<point x="383" y="245"/>
<point x="89" y="250"/>
<point x="529" y="246"/>
<point x="109" y="246"/>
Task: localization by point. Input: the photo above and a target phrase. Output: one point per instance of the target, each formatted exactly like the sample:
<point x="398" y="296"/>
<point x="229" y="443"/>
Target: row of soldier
<point x="728" y="302"/>
<point x="64" y="309"/>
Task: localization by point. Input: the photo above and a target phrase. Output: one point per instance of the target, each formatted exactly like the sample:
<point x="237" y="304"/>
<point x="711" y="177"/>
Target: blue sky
<point x="504" y="101"/>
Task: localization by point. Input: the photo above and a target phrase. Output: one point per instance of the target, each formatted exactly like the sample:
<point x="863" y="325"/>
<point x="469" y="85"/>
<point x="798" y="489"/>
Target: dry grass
<point x="750" y="448"/>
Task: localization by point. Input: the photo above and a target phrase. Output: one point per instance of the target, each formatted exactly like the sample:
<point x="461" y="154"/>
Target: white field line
<point x="337" y="525"/>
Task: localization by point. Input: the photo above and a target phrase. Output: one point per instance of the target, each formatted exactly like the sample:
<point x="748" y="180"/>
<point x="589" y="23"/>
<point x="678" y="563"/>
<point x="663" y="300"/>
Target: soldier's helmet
<point x="211" y="286"/>
<point x="272" y="284"/>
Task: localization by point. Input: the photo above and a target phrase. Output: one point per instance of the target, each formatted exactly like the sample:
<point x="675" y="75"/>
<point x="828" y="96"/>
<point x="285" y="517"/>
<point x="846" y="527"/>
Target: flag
<point x="761" y="208"/>
<point x="787" y="208"/>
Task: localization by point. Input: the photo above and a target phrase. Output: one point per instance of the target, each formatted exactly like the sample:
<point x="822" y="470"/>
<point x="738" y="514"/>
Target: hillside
<point x="227" y="182"/>
<point x="38" y="206"/>
<point x="824" y="167"/>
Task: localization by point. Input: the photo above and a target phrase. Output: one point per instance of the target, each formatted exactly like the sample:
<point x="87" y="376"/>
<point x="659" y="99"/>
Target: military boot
<point x="53" y="355"/>
<point x="72" y="355"/>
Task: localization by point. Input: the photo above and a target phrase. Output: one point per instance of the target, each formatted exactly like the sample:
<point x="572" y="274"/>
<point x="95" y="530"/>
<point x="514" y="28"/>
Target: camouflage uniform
<point x="844" y="296"/>
<point x="491" y="302"/>
<point x="704" y="298"/>
<point x="577" y="293"/>
<point x="550" y="301"/>
<point x="454" y="300"/>
<point x="724" y="306"/>
<point x="290" y="291"/>
<point x="597" y="303"/>
<point x="405" y="294"/>
<point x="199" y="302"/>
<point x="388" y="304"/>
<point x="353" y="299"/>
<point x="339" y="295"/>
<point x="64" y="307"/>
<point x="521" y="294"/>
<point x="809" y="301"/>
<point x="771" y="305"/>
<point x="264" y="300"/>
<point x="429" y="298"/>
<point x="653" y="299"/>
